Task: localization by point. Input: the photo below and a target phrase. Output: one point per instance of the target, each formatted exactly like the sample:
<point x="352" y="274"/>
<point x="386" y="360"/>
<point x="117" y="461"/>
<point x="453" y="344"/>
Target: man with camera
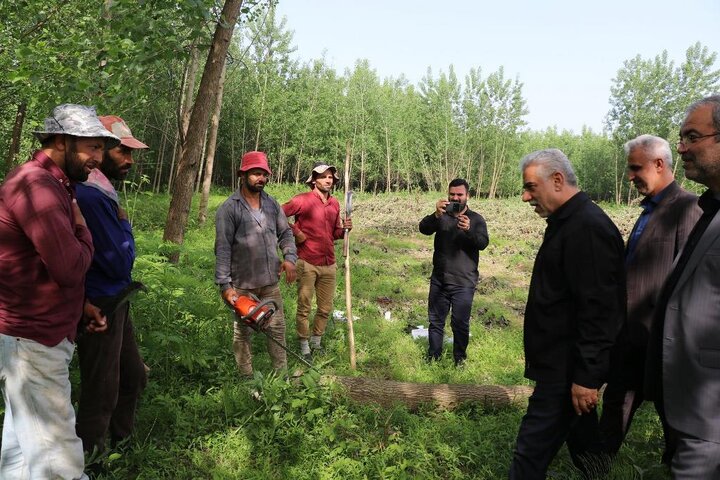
<point x="460" y="234"/>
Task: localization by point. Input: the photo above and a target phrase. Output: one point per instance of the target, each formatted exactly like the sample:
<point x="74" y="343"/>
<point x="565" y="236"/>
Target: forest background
<point x="145" y="60"/>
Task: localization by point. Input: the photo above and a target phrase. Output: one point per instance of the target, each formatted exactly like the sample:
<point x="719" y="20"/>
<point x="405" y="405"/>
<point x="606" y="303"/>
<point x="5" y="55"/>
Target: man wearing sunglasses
<point x="668" y="215"/>
<point x="683" y="365"/>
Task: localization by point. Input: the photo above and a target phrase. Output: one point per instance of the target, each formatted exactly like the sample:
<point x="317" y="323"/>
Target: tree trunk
<point x="210" y="158"/>
<point x="179" y="210"/>
<point x="388" y="171"/>
<point x="388" y="393"/>
<point x="16" y="135"/>
<point x="184" y="110"/>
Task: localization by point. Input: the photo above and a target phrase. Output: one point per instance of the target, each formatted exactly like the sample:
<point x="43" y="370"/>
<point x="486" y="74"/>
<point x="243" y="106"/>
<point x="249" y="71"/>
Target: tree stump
<point x="388" y="393"/>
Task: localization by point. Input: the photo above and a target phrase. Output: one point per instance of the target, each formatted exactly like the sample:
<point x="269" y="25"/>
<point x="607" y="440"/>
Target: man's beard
<point x="74" y="167"/>
<point x="110" y="169"/>
<point x="254" y="188"/>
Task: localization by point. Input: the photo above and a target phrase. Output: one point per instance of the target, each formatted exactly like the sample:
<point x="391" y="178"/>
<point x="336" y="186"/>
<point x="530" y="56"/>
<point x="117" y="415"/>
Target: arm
<point x="595" y="271"/>
<point x="112" y="235"/>
<point x="340" y="225"/>
<point x="286" y="242"/>
<point x="292" y="208"/>
<point x="56" y="231"/>
<point x="224" y="238"/>
<point x="430" y="223"/>
<point x="476" y="232"/>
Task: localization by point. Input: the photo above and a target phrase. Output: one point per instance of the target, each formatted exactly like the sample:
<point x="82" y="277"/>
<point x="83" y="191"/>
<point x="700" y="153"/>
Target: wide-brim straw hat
<point x="321" y="167"/>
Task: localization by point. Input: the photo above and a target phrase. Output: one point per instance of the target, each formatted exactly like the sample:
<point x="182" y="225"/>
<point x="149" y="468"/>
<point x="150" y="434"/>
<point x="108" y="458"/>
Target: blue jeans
<point x="38" y="438"/>
<point x="440" y="300"/>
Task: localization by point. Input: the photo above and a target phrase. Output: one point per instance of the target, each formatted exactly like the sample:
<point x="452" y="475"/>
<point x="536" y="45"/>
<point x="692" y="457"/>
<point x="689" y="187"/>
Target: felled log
<point x="388" y="393"/>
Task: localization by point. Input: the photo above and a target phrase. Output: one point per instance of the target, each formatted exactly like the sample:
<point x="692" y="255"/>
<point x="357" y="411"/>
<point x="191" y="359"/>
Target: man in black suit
<point x="575" y="307"/>
<point x="668" y="215"/>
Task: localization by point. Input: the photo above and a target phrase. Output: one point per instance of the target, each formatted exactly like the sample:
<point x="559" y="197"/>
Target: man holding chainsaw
<point x="112" y="373"/>
<point x="460" y="234"/>
<point x="250" y="227"/>
<point x="317" y="225"/>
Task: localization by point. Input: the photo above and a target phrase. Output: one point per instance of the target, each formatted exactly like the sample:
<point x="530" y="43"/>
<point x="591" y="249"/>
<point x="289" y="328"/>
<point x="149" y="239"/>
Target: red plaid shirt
<point x="43" y="254"/>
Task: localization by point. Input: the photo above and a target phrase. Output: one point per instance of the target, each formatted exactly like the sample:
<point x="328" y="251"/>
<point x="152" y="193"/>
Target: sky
<point x="565" y="52"/>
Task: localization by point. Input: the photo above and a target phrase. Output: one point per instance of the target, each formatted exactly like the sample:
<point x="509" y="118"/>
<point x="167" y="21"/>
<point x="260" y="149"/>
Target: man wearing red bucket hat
<point x="250" y="227"/>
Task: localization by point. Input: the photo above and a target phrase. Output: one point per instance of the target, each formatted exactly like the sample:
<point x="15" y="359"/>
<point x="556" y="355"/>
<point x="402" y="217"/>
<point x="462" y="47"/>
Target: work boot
<point x="305" y="350"/>
<point x="316" y="345"/>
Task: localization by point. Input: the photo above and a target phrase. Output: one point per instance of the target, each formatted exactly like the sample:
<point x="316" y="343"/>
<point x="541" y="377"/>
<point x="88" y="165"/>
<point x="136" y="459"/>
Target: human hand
<point x="230" y="296"/>
<point x="289" y="269"/>
<point x="122" y="214"/>
<point x="347" y="224"/>
<point x="300" y="237"/>
<point x="463" y="222"/>
<point x="77" y="214"/>
<point x="93" y="319"/>
<point x="584" y="400"/>
<point x="440" y="207"/>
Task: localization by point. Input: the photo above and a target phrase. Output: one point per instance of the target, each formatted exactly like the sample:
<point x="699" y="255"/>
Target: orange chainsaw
<point x="253" y="312"/>
<point x="257" y="314"/>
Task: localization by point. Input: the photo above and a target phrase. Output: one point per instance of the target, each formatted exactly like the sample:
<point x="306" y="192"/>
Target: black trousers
<point x="549" y="422"/>
<point x="619" y="405"/>
<point x="441" y="299"/>
<point x="112" y="377"/>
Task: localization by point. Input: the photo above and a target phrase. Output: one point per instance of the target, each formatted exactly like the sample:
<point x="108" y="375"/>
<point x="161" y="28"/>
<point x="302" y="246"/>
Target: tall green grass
<point x="199" y="420"/>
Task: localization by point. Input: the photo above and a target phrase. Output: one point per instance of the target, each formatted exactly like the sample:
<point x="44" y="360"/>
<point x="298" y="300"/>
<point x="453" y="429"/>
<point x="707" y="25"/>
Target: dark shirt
<point x="576" y="302"/>
<point x="247" y="242"/>
<point x="43" y="254"/>
<point x="112" y="263"/>
<point x="456" y="255"/>
<point x="648" y="204"/>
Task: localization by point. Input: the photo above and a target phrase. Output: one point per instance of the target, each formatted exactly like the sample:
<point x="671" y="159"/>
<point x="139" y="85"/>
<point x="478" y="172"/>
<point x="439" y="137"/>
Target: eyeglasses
<point x="693" y="138"/>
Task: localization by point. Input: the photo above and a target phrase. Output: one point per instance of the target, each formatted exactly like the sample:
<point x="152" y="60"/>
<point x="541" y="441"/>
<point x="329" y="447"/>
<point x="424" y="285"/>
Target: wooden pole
<point x="346" y="254"/>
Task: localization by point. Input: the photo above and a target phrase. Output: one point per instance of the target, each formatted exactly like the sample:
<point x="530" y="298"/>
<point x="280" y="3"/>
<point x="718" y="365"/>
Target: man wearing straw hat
<point x="317" y="226"/>
<point x="45" y="250"/>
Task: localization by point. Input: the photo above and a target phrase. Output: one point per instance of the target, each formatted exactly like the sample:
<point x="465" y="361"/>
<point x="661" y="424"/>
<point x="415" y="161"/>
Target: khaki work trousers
<point x="314" y="280"/>
<point x="242" y="334"/>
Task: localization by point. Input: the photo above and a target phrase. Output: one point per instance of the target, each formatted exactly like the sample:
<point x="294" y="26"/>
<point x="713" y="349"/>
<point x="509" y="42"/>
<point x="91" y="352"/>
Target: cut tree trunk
<point x="388" y="393"/>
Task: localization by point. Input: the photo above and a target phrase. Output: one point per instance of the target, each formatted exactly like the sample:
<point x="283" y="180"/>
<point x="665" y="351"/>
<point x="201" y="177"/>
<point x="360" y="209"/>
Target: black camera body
<point x="453" y="207"/>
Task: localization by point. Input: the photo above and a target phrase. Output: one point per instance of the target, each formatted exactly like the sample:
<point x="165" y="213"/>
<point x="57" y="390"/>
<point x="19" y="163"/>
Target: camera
<point x="453" y="207"/>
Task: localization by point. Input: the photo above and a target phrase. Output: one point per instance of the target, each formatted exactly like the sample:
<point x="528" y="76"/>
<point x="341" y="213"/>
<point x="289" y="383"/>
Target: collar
<point x="709" y="202"/>
<point x="320" y="196"/>
<point x="568" y="208"/>
<point x="98" y="180"/>
<point x="648" y="203"/>
<point x="48" y="164"/>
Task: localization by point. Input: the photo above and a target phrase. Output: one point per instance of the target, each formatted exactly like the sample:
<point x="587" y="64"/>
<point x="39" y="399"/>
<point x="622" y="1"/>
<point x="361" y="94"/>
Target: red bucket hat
<point x="254" y="160"/>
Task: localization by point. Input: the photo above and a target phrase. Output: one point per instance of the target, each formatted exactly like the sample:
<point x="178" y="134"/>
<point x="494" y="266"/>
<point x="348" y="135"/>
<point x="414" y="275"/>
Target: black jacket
<point x="576" y="302"/>
<point x="456" y="255"/>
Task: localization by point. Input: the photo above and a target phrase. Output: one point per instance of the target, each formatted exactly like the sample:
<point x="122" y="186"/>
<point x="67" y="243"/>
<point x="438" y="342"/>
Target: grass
<point x="197" y="420"/>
